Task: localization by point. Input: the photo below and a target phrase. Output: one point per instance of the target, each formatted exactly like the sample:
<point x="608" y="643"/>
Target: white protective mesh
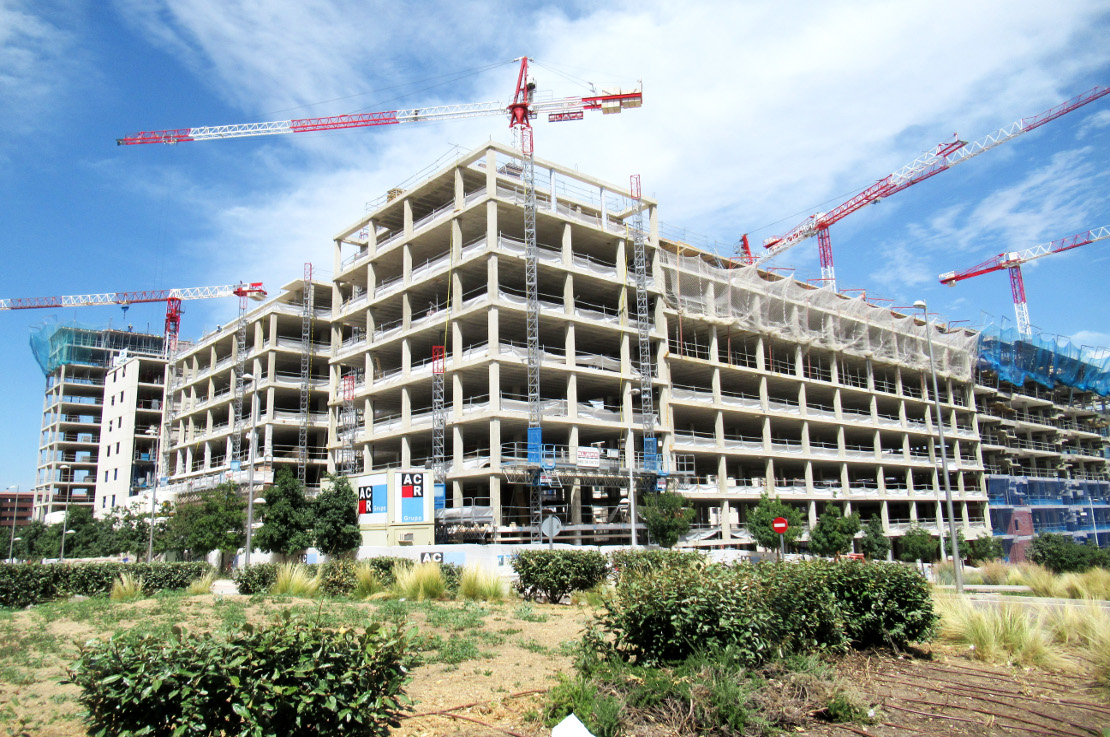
<point x="744" y="297"/>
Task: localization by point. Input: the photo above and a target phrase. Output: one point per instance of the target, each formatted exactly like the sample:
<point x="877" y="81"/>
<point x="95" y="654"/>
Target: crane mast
<point x="643" y="331"/>
<point x="941" y="158"/>
<point x="1012" y="261"/>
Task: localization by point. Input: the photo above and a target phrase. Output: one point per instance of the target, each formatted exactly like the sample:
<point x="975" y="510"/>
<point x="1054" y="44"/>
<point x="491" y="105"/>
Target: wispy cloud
<point x="37" y="58"/>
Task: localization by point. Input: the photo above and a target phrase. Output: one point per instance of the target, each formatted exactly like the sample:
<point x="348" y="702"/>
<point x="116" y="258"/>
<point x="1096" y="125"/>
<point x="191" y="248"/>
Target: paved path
<point x="225" y="587"/>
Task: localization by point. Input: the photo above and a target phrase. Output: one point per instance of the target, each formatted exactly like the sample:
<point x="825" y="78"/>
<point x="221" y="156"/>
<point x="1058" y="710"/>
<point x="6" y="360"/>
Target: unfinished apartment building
<point x="74" y="445"/>
<point x="1044" y="427"/>
<point x="761" y="384"/>
<point x="280" y="350"/>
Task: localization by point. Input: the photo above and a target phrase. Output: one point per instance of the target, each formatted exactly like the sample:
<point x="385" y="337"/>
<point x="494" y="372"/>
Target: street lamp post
<point x="15" y="518"/>
<point x="956" y="566"/>
<point x="249" y="379"/>
<point x="65" y="517"/>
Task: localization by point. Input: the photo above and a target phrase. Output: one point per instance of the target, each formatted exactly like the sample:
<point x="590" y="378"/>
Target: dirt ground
<point x="520" y="648"/>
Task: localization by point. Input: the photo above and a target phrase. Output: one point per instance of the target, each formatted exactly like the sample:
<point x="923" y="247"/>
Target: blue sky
<point x="755" y="115"/>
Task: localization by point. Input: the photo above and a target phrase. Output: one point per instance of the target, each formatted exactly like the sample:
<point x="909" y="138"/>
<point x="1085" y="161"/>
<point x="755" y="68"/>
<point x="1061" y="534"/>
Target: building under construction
<point x="81" y="455"/>
<point x="755" y="383"/>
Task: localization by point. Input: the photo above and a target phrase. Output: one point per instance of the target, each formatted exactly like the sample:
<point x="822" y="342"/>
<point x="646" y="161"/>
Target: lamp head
<point x="919" y="304"/>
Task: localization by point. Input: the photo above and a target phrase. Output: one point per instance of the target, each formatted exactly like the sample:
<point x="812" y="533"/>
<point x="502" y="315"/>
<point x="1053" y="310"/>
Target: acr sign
<point x="778" y="524"/>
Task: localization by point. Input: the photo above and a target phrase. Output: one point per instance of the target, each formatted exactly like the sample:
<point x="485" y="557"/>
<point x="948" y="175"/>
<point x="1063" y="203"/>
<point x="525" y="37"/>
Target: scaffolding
<point x="1050" y="361"/>
<point x="57" y="344"/>
<point x="307" y="312"/>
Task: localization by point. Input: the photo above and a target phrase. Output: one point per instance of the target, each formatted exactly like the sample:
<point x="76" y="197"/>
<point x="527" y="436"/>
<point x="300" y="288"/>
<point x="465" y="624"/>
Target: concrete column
<point x="407" y="204"/>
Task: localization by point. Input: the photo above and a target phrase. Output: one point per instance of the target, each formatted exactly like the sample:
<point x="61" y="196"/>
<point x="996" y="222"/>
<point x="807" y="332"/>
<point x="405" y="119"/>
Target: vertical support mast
<point x="240" y="382"/>
<point x="348" y="426"/>
<point x="439" y="416"/>
<point x="306" y="372"/>
<point x="824" y="250"/>
<point x="519" y="109"/>
<point x="1021" y="307"/>
<point x="643" y="329"/>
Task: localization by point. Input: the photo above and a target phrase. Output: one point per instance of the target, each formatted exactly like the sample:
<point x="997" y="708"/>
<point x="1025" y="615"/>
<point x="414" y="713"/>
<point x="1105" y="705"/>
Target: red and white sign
<point x="778" y="524"/>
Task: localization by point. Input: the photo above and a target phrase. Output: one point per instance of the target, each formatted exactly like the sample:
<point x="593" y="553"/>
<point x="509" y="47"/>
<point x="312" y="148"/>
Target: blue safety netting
<point x="1048" y="360"/>
<point x="57" y="344"/>
<point x="1020" y="491"/>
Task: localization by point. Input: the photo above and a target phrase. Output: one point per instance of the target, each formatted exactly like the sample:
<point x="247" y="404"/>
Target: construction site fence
<point x="1048" y="360"/>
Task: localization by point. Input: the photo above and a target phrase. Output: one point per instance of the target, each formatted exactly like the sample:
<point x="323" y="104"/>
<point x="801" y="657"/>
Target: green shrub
<point x="555" y="573"/>
<point x="202" y="585"/>
<point x="251" y="682"/>
<point x="339" y="577"/>
<point x="257" y="578"/>
<point x="883" y="603"/>
<point x="1062" y="554"/>
<point x="757" y="612"/>
<point x="628" y="562"/>
<point x="452" y="577"/>
<point x="670" y="615"/>
<point x="25" y="584"/>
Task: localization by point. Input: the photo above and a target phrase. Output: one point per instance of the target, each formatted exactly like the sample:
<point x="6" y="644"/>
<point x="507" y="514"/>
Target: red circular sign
<point x="779" y="525"/>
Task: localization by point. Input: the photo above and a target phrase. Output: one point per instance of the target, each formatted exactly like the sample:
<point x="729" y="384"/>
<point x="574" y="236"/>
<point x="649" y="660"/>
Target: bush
<point x="1062" y="554"/>
<point x="367" y="582"/>
<point x="257" y="578"/>
<point x="202" y="585"/>
<point x="642" y="561"/>
<point x="883" y="603"/>
<point x="772" y="609"/>
<point x="243" y="683"/>
<point x="384" y="567"/>
<point x="25" y="584"/>
<point x="555" y="573"/>
<point x="339" y="577"/>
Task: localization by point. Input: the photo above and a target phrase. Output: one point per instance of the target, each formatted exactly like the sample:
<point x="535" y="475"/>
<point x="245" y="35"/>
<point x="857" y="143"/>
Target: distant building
<point x="76" y="361"/>
<point x="16" y="508"/>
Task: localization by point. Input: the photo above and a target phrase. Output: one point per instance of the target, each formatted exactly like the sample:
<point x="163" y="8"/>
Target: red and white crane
<point x="172" y="297"/>
<point x="941" y="158"/>
<point x="1013" y="261"/>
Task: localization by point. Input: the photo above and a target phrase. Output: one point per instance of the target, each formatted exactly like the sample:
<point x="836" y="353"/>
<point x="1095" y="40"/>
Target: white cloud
<point x="750" y="112"/>
<point x="36" y="57"/>
<point x="1093" y="338"/>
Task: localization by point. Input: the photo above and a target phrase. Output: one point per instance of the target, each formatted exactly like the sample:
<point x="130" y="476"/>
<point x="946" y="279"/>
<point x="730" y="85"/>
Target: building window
<point x="108" y="451"/>
<point x="113" y="400"/>
<point x="115" y="475"/>
<point x="105" y="477"/>
<point x="117" y="447"/>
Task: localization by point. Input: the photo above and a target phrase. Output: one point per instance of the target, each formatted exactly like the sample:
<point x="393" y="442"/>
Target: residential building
<point x="75" y="360"/>
<point x="761" y="384"/>
<point x="283" y="345"/>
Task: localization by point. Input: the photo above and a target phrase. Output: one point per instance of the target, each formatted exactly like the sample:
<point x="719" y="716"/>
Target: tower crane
<point x="521" y="110"/>
<point x="1013" y="261"/>
<point x="941" y="158"/>
<point x="172" y="297"/>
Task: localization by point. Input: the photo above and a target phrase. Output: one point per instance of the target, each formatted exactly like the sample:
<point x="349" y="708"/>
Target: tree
<point x="286" y="517"/>
<point x="30" y="535"/>
<point x="667" y="517"/>
<point x="764" y="513"/>
<point x="1061" y="553"/>
<point x="984" y="548"/>
<point x="919" y="544"/>
<point x="214" y="522"/>
<point x="874" y="544"/>
<point x="336" y="524"/>
<point x="833" y="533"/>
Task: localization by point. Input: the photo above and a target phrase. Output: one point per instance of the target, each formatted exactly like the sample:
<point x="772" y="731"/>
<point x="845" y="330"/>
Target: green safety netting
<point x="57" y="344"/>
<point x="1048" y="360"/>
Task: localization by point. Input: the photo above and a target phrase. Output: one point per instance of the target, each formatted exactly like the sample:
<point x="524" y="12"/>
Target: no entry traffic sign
<point x="779" y="525"/>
